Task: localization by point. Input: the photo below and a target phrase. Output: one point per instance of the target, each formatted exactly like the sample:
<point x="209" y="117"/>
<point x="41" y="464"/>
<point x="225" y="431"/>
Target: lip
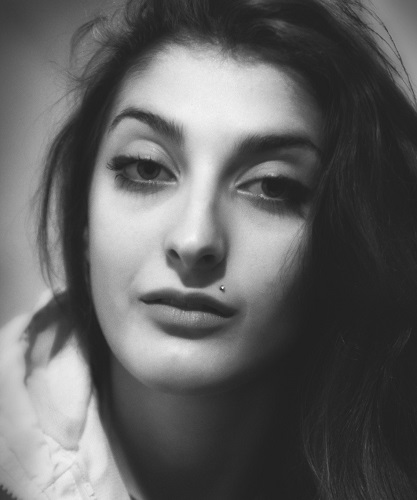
<point x="192" y="302"/>
<point x="187" y="315"/>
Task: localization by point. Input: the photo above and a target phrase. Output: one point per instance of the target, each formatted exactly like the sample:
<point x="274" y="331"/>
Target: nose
<point x="196" y="239"/>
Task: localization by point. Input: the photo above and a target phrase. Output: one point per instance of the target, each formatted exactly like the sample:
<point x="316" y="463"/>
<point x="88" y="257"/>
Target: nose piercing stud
<point x="223" y="288"/>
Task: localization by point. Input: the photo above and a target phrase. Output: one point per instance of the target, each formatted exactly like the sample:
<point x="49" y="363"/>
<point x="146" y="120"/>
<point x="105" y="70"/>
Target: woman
<point x="236" y="212"/>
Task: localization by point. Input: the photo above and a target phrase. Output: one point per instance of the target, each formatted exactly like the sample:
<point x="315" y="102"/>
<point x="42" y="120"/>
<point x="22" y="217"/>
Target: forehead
<point x="201" y="88"/>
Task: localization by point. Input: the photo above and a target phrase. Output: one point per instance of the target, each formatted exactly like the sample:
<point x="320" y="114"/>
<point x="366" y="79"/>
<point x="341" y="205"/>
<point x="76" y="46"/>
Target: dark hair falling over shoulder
<point x="359" y="419"/>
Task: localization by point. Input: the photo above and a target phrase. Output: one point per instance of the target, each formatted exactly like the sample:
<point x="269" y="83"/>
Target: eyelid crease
<point x="275" y="167"/>
<point x="121" y="161"/>
<point x="246" y="179"/>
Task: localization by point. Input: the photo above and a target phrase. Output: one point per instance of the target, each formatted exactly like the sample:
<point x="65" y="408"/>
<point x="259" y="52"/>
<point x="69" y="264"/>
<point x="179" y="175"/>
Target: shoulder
<point x="40" y="355"/>
<point x="52" y="439"/>
<point x="45" y="391"/>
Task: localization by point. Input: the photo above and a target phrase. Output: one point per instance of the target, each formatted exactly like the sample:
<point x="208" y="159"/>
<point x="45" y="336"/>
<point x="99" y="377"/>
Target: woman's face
<point x="203" y="180"/>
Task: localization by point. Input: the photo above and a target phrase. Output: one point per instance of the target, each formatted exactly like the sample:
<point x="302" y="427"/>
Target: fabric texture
<point x="53" y="444"/>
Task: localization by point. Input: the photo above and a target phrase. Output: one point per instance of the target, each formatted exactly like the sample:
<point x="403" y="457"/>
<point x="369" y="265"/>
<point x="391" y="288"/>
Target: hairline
<point x="197" y="43"/>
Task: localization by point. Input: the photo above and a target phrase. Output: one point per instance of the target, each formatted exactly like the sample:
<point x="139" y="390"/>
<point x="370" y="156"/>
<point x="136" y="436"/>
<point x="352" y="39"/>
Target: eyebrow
<point x="166" y="127"/>
<point x="251" y="145"/>
<point x="256" y="143"/>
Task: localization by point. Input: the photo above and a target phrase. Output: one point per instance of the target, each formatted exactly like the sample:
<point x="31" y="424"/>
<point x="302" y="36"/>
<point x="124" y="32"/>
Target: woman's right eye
<point x="140" y="172"/>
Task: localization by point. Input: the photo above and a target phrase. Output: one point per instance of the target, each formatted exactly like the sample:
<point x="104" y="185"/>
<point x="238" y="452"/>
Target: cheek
<point x="272" y="259"/>
<point x="120" y="240"/>
<point x="111" y="250"/>
<point x="273" y="280"/>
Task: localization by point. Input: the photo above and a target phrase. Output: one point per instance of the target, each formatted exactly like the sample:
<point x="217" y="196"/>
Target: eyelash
<point x="119" y="163"/>
<point x="295" y="195"/>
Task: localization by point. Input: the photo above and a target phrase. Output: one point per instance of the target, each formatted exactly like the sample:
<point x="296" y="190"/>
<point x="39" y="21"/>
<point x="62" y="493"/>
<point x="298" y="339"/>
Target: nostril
<point x="208" y="259"/>
<point x="191" y="259"/>
<point x="173" y="255"/>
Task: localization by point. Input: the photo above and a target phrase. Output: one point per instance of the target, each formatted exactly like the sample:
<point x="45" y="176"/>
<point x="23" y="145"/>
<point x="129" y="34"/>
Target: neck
<point x="182" y="445"/>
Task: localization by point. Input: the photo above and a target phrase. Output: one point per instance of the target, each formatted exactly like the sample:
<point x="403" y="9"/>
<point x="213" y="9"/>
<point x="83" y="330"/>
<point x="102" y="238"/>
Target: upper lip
<point x="189" y="301"/>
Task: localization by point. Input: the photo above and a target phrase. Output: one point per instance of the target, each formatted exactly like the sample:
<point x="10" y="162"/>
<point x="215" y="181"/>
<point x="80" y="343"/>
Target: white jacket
<point x="53" y="444"/>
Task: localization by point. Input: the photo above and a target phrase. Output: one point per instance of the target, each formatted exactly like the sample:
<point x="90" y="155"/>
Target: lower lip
<point x="185" y="323"/>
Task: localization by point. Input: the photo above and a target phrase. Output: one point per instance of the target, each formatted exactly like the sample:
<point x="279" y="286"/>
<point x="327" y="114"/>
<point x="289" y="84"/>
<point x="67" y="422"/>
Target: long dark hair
<point x="359" y="423"/>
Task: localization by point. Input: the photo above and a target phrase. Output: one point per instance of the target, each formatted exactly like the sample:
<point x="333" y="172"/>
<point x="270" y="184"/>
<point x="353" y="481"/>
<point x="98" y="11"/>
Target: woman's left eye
<point x="277" y="191"/>
<point x="139" y="173"/>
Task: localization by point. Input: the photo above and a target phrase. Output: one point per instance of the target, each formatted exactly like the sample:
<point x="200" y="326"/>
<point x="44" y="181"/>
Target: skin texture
<point x="206" y="222"/>
<point x="191" y="400"/>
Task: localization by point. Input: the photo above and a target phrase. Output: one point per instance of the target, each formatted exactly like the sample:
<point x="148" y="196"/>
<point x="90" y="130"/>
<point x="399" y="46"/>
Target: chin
<point x="197" y="378"/>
